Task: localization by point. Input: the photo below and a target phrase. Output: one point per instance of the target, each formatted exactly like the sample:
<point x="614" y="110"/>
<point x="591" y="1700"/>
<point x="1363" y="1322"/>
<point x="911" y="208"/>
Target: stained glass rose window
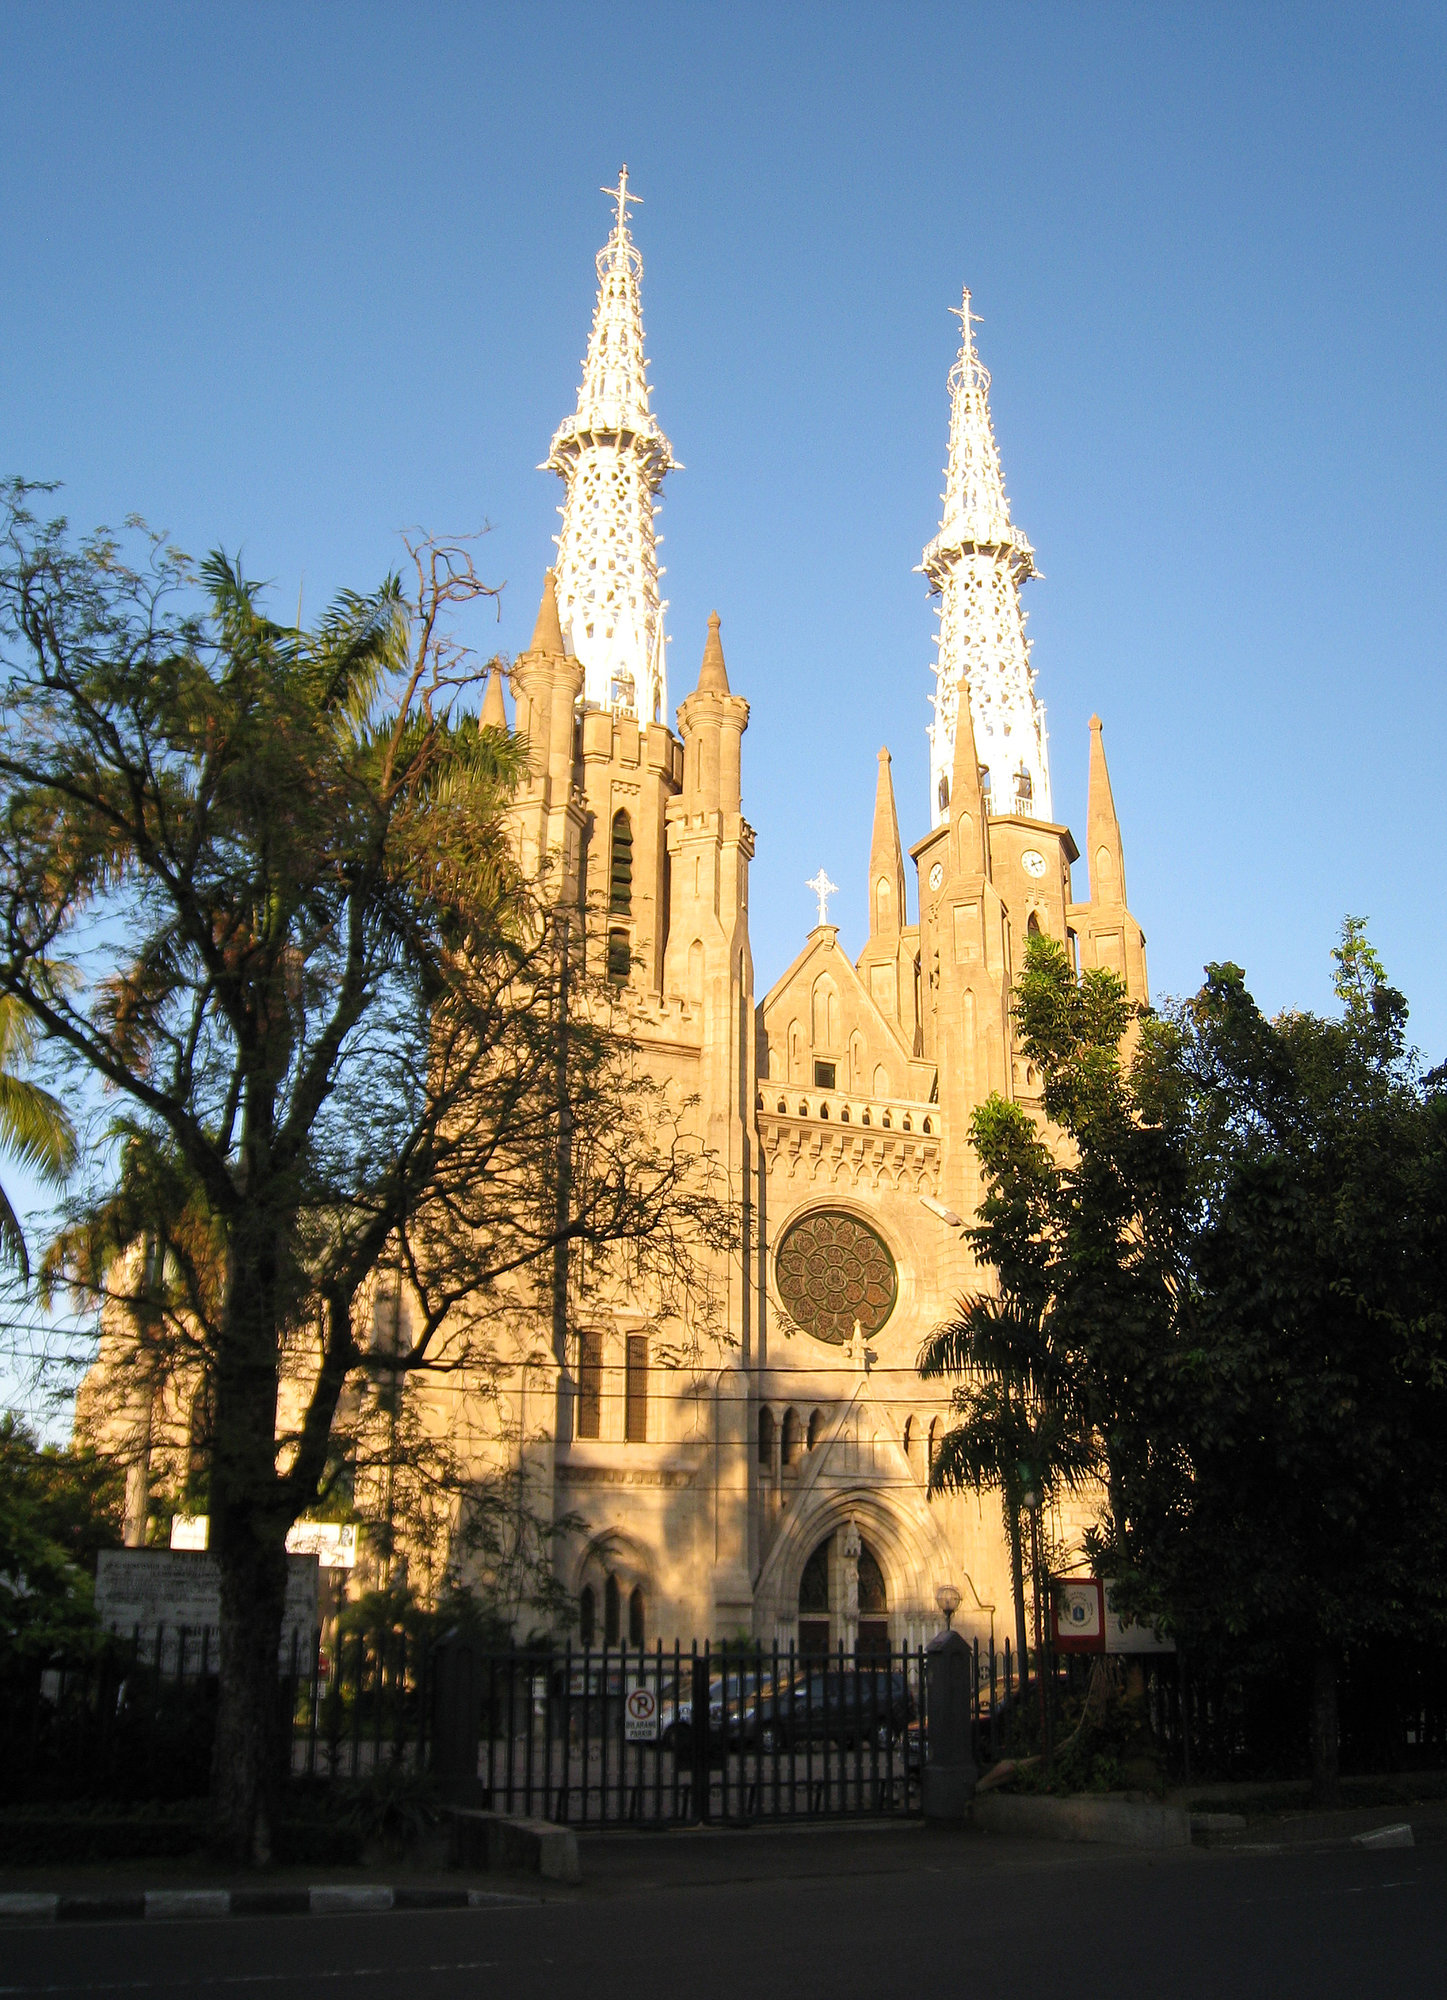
<point x="832" y="1270"/>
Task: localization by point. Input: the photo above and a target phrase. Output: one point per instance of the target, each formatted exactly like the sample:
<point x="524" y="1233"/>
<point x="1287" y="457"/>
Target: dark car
<point x="849" y="1705"/>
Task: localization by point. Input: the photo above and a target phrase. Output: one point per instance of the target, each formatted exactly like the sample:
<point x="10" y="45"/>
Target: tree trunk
<point x="1017" y="1585"/>
<point x="246" y="1756"/>
<point x="1325" y="1732"/>
<point x="249" y="1518"/>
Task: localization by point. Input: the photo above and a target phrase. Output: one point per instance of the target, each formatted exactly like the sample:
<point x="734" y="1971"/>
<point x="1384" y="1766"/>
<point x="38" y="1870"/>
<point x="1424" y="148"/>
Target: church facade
<point x="775" y="1486"/>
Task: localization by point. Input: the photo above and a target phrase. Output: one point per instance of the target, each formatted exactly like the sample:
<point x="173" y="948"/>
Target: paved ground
<point x="841" y="1915"/>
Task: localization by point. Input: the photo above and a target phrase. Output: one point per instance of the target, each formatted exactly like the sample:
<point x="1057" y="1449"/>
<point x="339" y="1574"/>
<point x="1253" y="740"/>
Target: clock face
<point x="936" y="875"/>
<point x="1033" y="862"/>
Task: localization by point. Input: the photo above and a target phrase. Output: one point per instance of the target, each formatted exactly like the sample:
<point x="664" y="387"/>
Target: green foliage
<point x="57" y="1508"/>
<point x="1236" y="1261"/>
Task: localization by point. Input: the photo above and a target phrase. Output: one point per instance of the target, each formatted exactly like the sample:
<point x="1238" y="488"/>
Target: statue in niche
<point x="849" y="1550"/>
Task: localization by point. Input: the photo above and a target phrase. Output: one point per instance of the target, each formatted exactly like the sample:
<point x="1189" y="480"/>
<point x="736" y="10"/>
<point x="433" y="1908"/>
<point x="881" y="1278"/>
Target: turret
<point x="548" y="682"/>
<point x="1102" y="828"/>
<point x="886" y="862"/>
<point x="968" y="807"/>
<point x="494" y="713"/>
<point x="712" y="721"/>
<point x="1107" y="935"/>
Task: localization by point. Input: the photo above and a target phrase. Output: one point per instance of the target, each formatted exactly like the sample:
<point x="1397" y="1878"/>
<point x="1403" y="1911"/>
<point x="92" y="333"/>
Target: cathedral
<point x="777" y="1488"/>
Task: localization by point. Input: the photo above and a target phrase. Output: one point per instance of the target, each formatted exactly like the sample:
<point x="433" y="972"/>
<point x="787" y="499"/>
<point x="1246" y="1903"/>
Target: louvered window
<point x="620" y="882"/>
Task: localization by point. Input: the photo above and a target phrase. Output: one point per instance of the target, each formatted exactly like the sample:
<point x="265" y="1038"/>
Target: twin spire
<point x="976" y="565"/>
<point x="614" y="458"/>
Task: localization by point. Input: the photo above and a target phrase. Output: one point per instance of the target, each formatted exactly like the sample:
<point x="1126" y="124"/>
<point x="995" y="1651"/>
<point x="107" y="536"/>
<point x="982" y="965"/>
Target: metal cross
<point x="823" y="888"/>
<point x="962" y="312"/>
<point x="621" y="195"/>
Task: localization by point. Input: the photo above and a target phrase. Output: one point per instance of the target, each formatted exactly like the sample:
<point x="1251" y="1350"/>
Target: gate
<point x="627" y="1737"/>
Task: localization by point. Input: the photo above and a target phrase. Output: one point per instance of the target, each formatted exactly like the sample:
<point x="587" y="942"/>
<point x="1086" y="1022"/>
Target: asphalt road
<point x="974" y="1919"/>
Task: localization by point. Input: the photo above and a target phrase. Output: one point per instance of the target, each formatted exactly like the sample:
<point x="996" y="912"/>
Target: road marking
<point x="252" y="1978"/>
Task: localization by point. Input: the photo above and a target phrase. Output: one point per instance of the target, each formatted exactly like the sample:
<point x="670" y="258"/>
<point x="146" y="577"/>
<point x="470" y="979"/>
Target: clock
<point x="1033" y="861"/>
<point x="937" y="875"/>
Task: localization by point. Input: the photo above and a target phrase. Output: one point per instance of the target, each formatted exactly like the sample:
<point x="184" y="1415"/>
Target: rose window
<point x="831" y="1270"/>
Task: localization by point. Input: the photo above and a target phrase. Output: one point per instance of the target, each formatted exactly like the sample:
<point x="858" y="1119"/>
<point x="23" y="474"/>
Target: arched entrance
<point x="842" y="1596"/>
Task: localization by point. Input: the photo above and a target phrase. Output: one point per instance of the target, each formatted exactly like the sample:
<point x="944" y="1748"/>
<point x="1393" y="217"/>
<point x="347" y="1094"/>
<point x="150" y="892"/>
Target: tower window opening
<point x="844" y="1114"/>
<point x="907" y="1126"/>
<point x="823" y="1110"/>
<point x="885" y="1121"/>
<point x="864" y="1116"/>
<point x="944" y="793"/>
<point x="816" y="1424"/>
<point x="824" y="1075"/>
<point x="620" y="957"/>
<point x="783" y="1106"/>
<point x="1032" y="927"/>
<point x="766" y="1438"/>
<point x="1024" y="790"/>
<point x="590" y="1383"/>
<point x="620" y="882"/>
<point x="927" y="1125"/>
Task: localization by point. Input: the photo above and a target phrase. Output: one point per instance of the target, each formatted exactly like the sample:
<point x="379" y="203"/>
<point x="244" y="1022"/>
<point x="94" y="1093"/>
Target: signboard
<point x="161" y="1590"/>
<point x="1078" y="1609"/>
<point x="1121" y="1636"/>
<point x="640" y="1715"/>
<point x="333" y="1543"/>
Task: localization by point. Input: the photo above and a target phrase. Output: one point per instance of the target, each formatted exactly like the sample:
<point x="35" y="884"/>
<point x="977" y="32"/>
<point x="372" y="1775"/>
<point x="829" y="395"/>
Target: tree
<point x="1241" y="1241"/>
<point x="257" y="882"/>
<point x="34" y="1125"/>
<point x="57" y="1508"/>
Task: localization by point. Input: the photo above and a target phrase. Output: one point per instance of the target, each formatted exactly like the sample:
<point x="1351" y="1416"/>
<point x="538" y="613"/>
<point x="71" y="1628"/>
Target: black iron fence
<point x="620" y="1736"/>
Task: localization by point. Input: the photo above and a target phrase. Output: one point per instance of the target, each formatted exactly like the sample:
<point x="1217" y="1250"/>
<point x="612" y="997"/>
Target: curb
<point x="323" y="1899"/>
<point x="1088" y="1817"/>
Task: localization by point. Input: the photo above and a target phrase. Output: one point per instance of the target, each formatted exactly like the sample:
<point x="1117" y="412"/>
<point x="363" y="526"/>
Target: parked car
<point x="857" y="1704"/>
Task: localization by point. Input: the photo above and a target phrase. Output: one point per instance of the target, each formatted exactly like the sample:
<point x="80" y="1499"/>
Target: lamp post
<point x="947" y="1597"/>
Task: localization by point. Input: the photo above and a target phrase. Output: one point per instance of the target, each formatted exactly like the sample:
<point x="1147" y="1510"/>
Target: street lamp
<point x="947" y="1597"/>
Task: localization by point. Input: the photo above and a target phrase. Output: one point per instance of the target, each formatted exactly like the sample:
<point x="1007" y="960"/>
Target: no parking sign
<point x="640" y="1715"/>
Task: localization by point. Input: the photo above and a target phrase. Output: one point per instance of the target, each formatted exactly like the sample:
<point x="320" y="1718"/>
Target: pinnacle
<point x="713" y="675"/>
<point x="548" y="632"/>
<point x="494" y="714"/>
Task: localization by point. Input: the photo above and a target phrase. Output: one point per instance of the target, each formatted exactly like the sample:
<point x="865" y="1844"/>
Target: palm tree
<point x="34" y="1126"/>
<point x="1022" y="1426"/>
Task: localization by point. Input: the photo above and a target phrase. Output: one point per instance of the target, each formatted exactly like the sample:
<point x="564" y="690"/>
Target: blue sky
<point x="292" y="278"/>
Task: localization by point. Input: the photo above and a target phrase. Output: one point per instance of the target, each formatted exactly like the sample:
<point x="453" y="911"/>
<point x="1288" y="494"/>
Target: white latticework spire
<point x="614" y="457"/>
<point x="977" y="563"/>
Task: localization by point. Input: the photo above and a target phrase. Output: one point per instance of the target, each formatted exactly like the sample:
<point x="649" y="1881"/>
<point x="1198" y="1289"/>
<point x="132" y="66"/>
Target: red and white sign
<point x="1079" y="1614"/>
<point x="640" y="1715"/>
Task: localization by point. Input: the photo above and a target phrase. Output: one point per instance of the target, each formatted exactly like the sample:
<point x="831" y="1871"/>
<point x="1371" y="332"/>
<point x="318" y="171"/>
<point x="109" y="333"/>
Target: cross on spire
<point x="621" y="195"/>
<point x="823" y="888"/>
<point x="966" y="317"/>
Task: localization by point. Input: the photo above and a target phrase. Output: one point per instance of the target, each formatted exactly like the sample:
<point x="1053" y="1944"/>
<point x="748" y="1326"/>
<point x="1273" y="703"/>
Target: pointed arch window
<point x="635" y="1616"/>
<point x="612" y="1611"/>
<point x="766" y="1438"/>
<point x="816" y="1425"/>
<point x="620" y="878"/>
<point x="587" y="1614"/>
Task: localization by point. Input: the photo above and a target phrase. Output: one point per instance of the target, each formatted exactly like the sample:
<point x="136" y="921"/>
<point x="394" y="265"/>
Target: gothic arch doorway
<point x="843" y="1598"/>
